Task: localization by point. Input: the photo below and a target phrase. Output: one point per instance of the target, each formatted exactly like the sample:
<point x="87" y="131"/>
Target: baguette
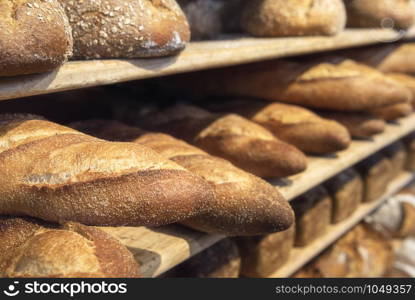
<point x="35" y="36"/>
<point x="332" y="84"/>
<point x="127" y="28"/>
<point x="359" y="124"/>
<point x="346" y="190"/>
<point x="273" y="18"/>
<point x="58" y="174"/>
<point x="393" y="112"/>
<point x="293" y="124"/>
<point x="31" y="248"/>
<point x="243" y="203"/>
<point x="245" y="144"/>
<point x="406" y="80"/>
<point x="369" y="13"/>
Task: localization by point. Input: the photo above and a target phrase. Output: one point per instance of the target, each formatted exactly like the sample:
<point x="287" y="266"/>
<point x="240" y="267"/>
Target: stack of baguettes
<point x="55" y="178"/>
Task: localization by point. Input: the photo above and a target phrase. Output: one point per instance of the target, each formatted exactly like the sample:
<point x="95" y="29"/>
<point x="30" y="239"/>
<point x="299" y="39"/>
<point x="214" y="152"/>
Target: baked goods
<point x="58" y="174"/>
<point x="333" y="84"/>
<point x="263" y="255"/>
<point x="35" y="36"/>
<point x="222" y="260"/>
<point x="393" y="112"/>
<point x="313" y="211"/>
<point x="409" y="142"/>
<point x="359" y="124"/>
<point x="292" y="124"/>
<point x="376" y="172"/>
<point x="204" y="17"/>
<point x="243" y="204"/>
<point x="396" y="57"/>
<point x="242" y="142"/>
<point x="273" y="18"/>
<point x="126" y="28"/>
<point x="406" y="80"/>
<point x="396" y="153"/>
<point x="30" y="248"/>
<point x="369" y="13"/>
<point x="346" y="190"/>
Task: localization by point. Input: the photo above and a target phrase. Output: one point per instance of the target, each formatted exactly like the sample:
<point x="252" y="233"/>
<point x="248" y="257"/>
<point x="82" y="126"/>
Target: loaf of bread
<point x="263" y="255"/>
<point x="30" y="248"/>
<point x="273" y="18"/>
<point x="380" y="13"/>
<point x="247" y="145"/>
<point x="396" y="57"/>
<point x="359" y="124"/>
<point x="376" y="172"/>
<point x="204" y="17"/>
<point x="346" y="190"/>
<point x="222" y="260"/>
<point x="313" y="211"/>
<point x="243" y="203"/>
<point x="393" y="112"/>
<point x="333" y="84"/>
<point x="406" y="80"/>
<point x="58" y="174"/>
<point x="292" y="124"/>
<point x="126" y="28"/>
<point x="35" y="36"/>
<point x="396" y="153"/>
<point x="409" y="142"/>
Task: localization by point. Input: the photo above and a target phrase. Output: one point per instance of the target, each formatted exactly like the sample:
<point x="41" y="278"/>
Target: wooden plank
<point x="230" y="50"/>
<point x="159" y="249"/>
<point x="301" y="256"/>
<point x="322" y="168"/>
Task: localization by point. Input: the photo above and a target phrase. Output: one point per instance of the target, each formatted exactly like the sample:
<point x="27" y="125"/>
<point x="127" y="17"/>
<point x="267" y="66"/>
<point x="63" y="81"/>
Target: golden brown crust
<point x="359" y="125"/>
<point x="35" y="36"/>
<point x="126" y="28"/>
<point x="243" y="204"/>
<point x="393" y="112"/>
<point x="369" y="13"/>
<point x="406" y="80"/>
<point x="396" y="153"/>
<point x="72" y="250"/>
<point x="58" y="174"/>
<point x="273" y="18"/>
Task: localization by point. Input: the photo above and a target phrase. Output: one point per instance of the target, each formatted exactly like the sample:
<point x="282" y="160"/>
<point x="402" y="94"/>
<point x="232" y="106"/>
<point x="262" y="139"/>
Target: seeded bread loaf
<point x="243" y="204"/>
<point x="126" y="28"/>
<point x="272" y="18"/>
<point x="58" y="174"/>
<point x="35" y="36"/>
<point x="30" y="248"/>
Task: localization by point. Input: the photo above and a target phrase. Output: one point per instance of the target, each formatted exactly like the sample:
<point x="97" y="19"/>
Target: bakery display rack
<point x="160" y="249"/>
<point x="230" y="50"/>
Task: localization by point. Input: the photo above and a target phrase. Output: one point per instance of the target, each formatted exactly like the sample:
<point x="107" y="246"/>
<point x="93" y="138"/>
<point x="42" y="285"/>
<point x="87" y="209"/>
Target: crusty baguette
<point x="393" y="112"/>
<point x="406" y="80"/>
<point x="127" y="28"/>
<point x="369" y="13"/>
<point x="396" y="57"/>
<point x="35" y="36"/>
<point x="359" y="124"/>
<point x="58" y="174"/>
<point x="292" y="124"/>
<point x="272" y="18"/>
<point x="333" y="84"/>
<point x="247" y="145"/>
<point x="30" y="248"/>
<point x="244" y="204"/>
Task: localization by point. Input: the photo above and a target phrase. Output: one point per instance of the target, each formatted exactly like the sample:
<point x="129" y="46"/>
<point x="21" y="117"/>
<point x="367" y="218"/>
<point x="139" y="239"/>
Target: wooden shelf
<point x="158" y="250"/>
<point x="231" y="50"/>
<point x="301" y="256"/>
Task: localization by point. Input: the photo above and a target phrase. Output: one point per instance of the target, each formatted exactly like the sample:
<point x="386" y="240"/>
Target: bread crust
<point x="393" y="112"/>
<point x="37" y="249"/>
<point x="126" y="28"/>
<point x="273" y="18"/>
<point x="59" y="176"/>
<point x="35" y="36"/>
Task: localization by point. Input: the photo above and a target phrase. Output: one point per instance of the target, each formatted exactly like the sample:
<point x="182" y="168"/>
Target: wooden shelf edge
<point x="197" y="56"/>
<point x="301" y="256"/>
